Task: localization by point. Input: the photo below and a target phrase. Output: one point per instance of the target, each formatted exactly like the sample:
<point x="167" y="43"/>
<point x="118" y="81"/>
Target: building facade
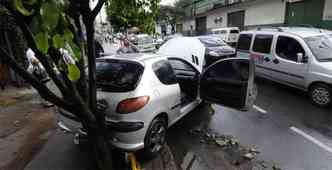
<point x="204" y="15"/>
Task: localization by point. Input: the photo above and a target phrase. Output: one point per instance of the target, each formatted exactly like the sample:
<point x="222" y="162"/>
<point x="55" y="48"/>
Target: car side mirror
<point x="299" y="57"/>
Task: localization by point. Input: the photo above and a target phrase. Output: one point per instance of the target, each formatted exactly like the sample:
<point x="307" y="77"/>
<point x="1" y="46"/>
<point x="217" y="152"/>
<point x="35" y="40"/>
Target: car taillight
<point x="132" y="104"/>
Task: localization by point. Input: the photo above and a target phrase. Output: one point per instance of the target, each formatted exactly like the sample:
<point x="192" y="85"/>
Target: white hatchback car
<point x="147" y="93"/>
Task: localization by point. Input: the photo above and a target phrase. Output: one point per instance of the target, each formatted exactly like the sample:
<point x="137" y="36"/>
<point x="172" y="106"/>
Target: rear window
<point x="234" y="31"/>
<point x="244" y="42"/>
<point x="117" y="75"/>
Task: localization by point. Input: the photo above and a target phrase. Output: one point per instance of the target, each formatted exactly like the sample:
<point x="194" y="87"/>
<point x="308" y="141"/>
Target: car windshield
<point x="321" y="46"/>
<point x="118" y="76"/>
<point x="212" y="42"/>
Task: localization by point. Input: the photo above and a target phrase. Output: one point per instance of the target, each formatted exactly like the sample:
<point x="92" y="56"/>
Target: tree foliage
<point x="170" y="14"/>
<point x="125" y="14"/>
<point x="53" y="29"/>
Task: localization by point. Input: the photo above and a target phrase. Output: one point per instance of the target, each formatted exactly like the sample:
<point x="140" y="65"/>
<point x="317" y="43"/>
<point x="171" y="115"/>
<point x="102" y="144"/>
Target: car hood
<point x="221" y="50"/>
<point x="327" y="66"/>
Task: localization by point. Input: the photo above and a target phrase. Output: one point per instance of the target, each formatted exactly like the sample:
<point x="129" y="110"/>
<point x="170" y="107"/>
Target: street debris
<point x="249" y="156"/>
<point x="16" y="122"/>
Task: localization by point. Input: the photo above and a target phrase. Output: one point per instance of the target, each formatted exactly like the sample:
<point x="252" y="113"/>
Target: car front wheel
<point x="155" y="137"/>
<point x="320" y="95"/>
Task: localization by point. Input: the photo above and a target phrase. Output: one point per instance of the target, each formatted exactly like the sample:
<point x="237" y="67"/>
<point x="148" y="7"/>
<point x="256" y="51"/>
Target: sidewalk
<point x="24" y="127"/>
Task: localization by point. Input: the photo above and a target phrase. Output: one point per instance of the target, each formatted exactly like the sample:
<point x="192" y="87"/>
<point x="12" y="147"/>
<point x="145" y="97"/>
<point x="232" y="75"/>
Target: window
<point x="262" y="43"/>
<point x="118" y="76"/>
<point x="164" y="72"/>
<point x="321" y="46"/>
<point x="244" y="42"/>
<point x="234" y="31"/>
<point x="180" y="65"/>
<point x="288" y="48"/>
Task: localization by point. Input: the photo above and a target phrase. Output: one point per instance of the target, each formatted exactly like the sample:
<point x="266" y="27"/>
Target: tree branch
<point x="41" y="57"/>
<point x="40" y="87"/>
<point x="97" y="9"/>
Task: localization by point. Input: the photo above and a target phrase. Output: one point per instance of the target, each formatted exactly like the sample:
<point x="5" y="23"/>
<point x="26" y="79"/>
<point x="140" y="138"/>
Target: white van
<point x="296" y="56"/>
<point x="229" y="34"/>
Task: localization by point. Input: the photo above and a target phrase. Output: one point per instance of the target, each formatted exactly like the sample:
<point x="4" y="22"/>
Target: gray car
<point x="147" y="93"/>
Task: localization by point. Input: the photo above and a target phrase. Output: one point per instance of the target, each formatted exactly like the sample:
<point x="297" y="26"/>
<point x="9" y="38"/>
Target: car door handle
<point x="276" y="61"/>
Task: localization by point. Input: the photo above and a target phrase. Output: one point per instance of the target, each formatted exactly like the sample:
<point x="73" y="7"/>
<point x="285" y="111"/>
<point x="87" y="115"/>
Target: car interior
<point x="187" y="78"/>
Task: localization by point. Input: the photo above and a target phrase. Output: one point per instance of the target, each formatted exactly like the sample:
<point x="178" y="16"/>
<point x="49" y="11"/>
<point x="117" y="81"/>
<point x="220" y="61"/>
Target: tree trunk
<point x="92" y="63"/>
<point x="97" y="136"/>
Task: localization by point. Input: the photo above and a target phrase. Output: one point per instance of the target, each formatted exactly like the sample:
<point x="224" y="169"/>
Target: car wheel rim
<point x="157" y="139"/>
<point x="321" y="96"/>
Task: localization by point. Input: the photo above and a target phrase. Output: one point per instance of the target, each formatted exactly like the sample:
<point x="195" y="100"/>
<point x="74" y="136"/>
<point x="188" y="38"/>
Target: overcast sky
<point x="167" y="2"/>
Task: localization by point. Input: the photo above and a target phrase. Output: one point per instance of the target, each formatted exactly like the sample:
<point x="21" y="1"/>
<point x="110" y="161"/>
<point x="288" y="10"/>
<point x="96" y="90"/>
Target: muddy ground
<point x="25" y="126"/>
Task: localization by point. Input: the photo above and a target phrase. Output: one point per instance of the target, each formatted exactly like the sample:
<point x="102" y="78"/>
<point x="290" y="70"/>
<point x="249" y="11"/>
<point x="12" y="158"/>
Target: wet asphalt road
<point x="286" y="128"/>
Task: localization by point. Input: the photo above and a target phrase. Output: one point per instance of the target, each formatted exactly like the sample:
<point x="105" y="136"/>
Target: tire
<point x="155" y="137"/>
<point x="321" y="95"/>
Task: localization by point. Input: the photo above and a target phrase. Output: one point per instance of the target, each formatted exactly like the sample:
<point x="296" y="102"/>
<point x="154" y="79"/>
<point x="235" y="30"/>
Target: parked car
<point x="296" y="56"/>
<point x="147" y="93"/>
<point x="201" y="51"/>
<point x="229" y="34"/>
<point x="144" y="42"/>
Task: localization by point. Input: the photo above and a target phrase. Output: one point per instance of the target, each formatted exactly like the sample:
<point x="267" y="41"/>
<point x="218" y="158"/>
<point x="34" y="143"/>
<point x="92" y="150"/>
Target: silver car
<point x="147" y="93"/>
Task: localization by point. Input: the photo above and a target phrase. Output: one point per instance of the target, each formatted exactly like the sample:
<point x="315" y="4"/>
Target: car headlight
<point x="214" y="54"/>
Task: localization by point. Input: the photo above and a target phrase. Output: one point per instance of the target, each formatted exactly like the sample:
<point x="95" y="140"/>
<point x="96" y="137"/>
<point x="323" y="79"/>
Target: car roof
<point x="299" y="31"/>
<point x="138" y="57"/>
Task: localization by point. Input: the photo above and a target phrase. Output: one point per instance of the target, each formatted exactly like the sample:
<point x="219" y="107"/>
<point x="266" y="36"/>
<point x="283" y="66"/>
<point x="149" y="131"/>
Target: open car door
<point x="229" y="82"/>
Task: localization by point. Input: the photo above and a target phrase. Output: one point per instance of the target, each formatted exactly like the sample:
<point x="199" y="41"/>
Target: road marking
<point x="312" y="139"/>
<point x="260" y="109"/>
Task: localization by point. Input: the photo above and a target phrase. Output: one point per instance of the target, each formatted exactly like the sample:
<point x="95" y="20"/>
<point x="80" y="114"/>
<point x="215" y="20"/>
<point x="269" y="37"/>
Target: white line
<point x="312" y="139"/>
<point x="260" y="109"/>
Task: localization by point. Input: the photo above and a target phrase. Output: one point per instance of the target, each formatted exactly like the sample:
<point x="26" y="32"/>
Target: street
<point x="283" y="125"/>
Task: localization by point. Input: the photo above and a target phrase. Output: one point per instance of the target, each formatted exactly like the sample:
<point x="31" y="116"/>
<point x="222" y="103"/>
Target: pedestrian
<point x="127" y="47"/>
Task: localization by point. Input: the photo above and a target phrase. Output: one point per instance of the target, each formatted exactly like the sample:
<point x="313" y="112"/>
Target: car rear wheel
<point x="320" y="95"/>
<point x="155" y="137"/>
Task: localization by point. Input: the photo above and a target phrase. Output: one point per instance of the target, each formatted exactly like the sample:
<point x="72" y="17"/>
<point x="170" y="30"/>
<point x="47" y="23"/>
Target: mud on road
<point x="25" y="126"/>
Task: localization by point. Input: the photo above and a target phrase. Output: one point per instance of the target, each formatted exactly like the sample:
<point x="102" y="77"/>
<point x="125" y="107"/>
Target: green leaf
<point x="68" y="35"/>
<point x="73" y="72"/>
<point x="19" y="6"/>
<point x="50" y="15"/>
<point x="41" y="40"/>
<point x="76" y="51"/>
<point x="58" y="41"/>
<point x="73" y="50"/>
<point x="30" y="2"/>
<point x="3" y="11"/>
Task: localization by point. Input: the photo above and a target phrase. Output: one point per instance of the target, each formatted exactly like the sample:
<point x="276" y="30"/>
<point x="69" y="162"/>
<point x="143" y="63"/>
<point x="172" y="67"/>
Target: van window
<point x="287" y="48"/>
<point x="262" y="43"/>
<point x="164" y="72"/>
<point x="117" y="75"/>
<point x="244" y="42"/>
<point x="234" y="31"/>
